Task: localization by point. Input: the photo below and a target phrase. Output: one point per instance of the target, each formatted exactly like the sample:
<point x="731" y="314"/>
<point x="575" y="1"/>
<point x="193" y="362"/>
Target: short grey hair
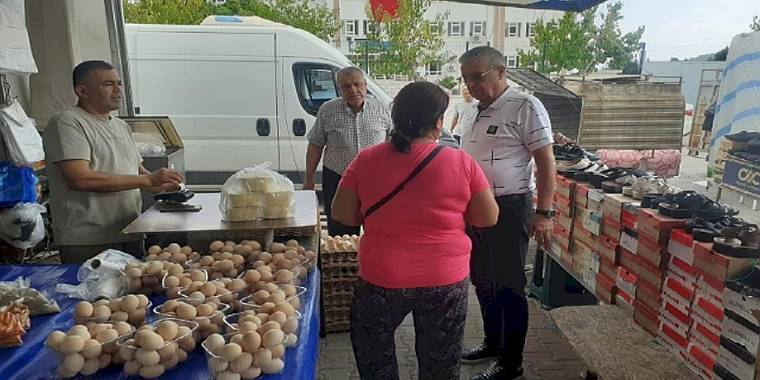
<point x="494" y="57"/>
<point x="348" y="70"/>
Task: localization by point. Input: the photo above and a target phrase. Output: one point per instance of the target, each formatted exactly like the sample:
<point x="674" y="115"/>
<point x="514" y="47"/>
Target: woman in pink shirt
<point x="414" y="199"/>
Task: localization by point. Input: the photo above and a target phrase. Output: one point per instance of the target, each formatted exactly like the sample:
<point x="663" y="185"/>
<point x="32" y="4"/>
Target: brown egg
<point x="251" y="341"/>
<point x="131" y="368"/>
<point x="136" y="318"/>
<point x="237" y="285"/>
<point x="127" y="353"/>
<point x="214" y="342"/>
<point x="108" y="335"/>
<point x="292" y="243"/>
<point x="272" y="337"/>
<point x="206" y="261"/>
<point x="290" y="340"/>
<point x="278" y="317"/>
<point x="83" y="309"/>
<point x="197" y="295"/>
<point x="277" y="248"/>
<point x="169" y="306"/>
<point x="174" y="248"/>
<point x="230" y="351"/>
<point x="147" y="357"/>
<point x="81" y="331"/>
<point x="250" y="373"/>
<point x="90" y="367"/>
<point x="217" y="365"/>
<point x="151" y="341"/>
<point x="182" y="354"/>
<point x="164" y="256"/>
<point x="252" y="276"/>
<point x="254" y="245"/>
<point x="186" y="311"/>
<point x="248" y="326"/>
<point x="208" y="289"/>
<point x="130" y="303"/>
<point x="154" y="250"/>
<point x="143" y="301"/>
<point x="290" y="326"/>
<point x="216" y="245"/>
<point x="105" y="360"/>
<point x="286" y="308"/>
<point x="134" y="273"/>
<point x="72" y="344"/>
<point x="273" y="366"/>
<point x="186" y="250"/>
<point x="241" y="363"/>
<point x="54" y="340"/>
<point x="152" y="372"/>
<point x="168" y="352"/>
<point x="73" y="363"/>
<point x="101" y="313"/>
<point x="261" y="357"/>
<point x="277" y="351"/>
<point x="284" y="276"/>
<point x="122" y="328"/>
<point x="205" y="310"/>
<point x="167" y="329"/>
<point x="120" y="316"/>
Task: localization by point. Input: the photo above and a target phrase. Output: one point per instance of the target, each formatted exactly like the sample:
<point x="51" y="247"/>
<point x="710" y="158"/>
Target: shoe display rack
<point x="695" y="296"/>
<point x="738" y="165"/>
<point x="340" y="271"/>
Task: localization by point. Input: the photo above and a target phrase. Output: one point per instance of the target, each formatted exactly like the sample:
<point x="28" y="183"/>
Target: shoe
<point x="612" y="187"/>
<point x="497" y="372"/>
<point x="478" y="354"/>
<point x="743" y="136"/>
<point x="739" y="242"/>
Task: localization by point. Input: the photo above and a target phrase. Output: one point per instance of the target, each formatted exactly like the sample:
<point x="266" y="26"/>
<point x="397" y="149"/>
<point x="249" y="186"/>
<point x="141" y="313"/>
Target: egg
<point x="266" y="257"/>
<point x="83" y="309"/>
<point x="285" y="308"/>
<point x="267" y="307"/>
<point x="278" y="317"/>
<point x="225" y="265"/>
<point x="169" y="306"/>
<point x="167" y="329"/>
<point x="127" y="353"/>
<point x="186" y="250"/>
<point x="284" y="276"/>
<point x="228" y="249"/>
<point x="273" y="366"/>
<point x="105" y="360"/>
<point x="64" y="373"/>
<point x="214" y="342"/>
<point x="54" y="340"/>
<point x="217" y="364"/>
<point x="121" y="316"/>
<point x="147" y="357"/>
<point x="215" y="246"/>
<point x="250" y="373"/>
<point x="186" y="311"/>
<point x="261" y="357"/>
<point x="290" y="340"/>
<point x="198" y="275"/>
<point x="277" y="248"/>
<point x="136" y="318"/>
<point x="90" y="367"/>
<point x="272" y="337"/>
<point x="237" y="285"/>
<point x="122" y="328"/>
<point x="251" y="276"/>
<point x="174" y="248"/>
<point x="80" y="330"/>
<point x="151" y="341"/>
<point x="206" y="261"/>
<point x="227" y="375"/>
<point x="205" y="310"/>
<point x="143" y="301"/>
<point x="72" y="344"/>
<point x="290" y="326"/>
<point x="170" y="362"/>
<point x="187" y="344"/>
<point x="197" y="296"/>
<point x="175" y="269"/>
<point x="101" y="313"/>
<point x="251" y="341"/>
<point x="209" y="289"/>
<point x="152" y="372"/>
<point x="131" y="368"/>
<point x="247" y="326"/>
<point x="134" y="273"/>
<point x="107" y="336"/>
<point x="277" y="351"/>
<point x="164" y="256"/>
<point x="181" y="355"/>
<point x="92" y="349"/>
<point x="254" y="245"/>
<point x="230" y="351"/>
<point x="292" y="243"/>
<point x="73" y="363"/>
<point x="154" y="268"/>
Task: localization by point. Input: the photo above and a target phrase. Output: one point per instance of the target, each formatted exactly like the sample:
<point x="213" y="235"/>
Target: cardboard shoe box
<point x="672" y="340"/>
<point x="565" y="187"/>
<point x="613" y="204"/>
<point x="648" y="294"/>
<point x="581" y="194"/>
<point x="681" y="245"/>
<point x="718" y="266"/>
<point x="650" y="273"/>
<point x="608" y="268"/>
<point x="705" y="337"/>
<point x="710" y="289"/>
<point x="608" y="249"/>
<point x="741" y="331"/>
<point x="605" y="288"/>
<point x="657" y="227"/>
<point x="563" y="205"/>
<point x="736" y="360"/>
<point x="611" y="228"/>
<point x="629" y="241"/>
<point x="629" y="261"/>
<point x="595" y="200"/>
<point x="652" y="252"/>
<point x="646" y="317"/>
<point x="708" y="314"/>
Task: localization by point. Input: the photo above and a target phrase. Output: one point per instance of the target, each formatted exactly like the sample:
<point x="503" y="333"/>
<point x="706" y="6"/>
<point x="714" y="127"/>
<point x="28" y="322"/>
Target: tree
<point x="303" y="14"/>
<point x="576" y="42"/>
<point x="183" y="12"/>
<point x="448" y="82"/>
<point x="401" y="44"/>
<point x="720" y="55"/>
<point x="755" y="25"/>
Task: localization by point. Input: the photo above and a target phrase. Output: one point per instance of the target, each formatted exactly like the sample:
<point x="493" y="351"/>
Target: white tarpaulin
<point x="15" y="51"/>
<point x="738" y="107"/>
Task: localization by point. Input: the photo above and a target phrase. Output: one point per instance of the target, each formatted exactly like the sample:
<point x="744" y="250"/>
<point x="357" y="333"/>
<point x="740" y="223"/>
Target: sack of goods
<point x="257" y="193"/>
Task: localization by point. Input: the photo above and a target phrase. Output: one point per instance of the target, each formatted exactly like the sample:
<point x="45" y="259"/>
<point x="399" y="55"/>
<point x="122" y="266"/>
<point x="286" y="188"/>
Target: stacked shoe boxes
<point x="585" y="238"/>
<point x="563" y="222"/>
<point x="608" y="248"/>
<point x="652" y="232"/>
<point x="678" y="293"/>
<point x="740" y="334"/>
<point x="629" y="261"/>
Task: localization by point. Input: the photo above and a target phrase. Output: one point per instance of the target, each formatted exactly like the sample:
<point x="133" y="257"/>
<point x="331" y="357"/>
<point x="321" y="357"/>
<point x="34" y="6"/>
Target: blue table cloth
<point x="33" y="361"/>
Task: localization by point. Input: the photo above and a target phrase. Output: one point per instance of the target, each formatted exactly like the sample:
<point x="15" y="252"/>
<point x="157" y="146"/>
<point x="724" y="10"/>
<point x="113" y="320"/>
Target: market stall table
<point x="33" y="361"/>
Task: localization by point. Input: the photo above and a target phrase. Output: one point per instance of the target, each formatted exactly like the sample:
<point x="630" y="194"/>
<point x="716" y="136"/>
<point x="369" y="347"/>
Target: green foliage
<point x="721" y="55"/>
<point x="303" y="14"/>
<point x="577" y="42"/>
<point x="401" y="44"/>
<point x="448" y="82"/>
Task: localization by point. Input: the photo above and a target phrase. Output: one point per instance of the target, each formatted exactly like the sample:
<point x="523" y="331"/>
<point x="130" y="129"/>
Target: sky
<point x="687" y="28"/>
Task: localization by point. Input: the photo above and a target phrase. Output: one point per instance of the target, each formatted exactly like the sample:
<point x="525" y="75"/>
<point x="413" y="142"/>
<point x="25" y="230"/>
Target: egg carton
<point x="339" y="284"/>
<point x="340" y="256"/>
<point x="341" y="272"/>
<point x="341" y="299"/>
<point x="337" y="327"/>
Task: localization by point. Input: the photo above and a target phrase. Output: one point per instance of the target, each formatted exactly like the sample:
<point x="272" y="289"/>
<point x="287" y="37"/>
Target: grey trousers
<point x="77" y="254"/>
<point x="439" y="317"/>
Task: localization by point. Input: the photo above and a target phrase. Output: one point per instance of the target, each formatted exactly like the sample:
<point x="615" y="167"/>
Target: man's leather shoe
<point x="478" y="354"/>
<point x="497" y="372"/>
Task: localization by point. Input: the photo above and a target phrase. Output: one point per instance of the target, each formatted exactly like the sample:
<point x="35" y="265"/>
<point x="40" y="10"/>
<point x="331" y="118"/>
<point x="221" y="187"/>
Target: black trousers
<point x="497" y="270"/>
<point x="439" y="317"/>
<point x="330" y="180"/>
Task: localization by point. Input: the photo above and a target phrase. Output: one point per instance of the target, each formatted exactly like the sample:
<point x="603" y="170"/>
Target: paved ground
<point x="548" y="354"/>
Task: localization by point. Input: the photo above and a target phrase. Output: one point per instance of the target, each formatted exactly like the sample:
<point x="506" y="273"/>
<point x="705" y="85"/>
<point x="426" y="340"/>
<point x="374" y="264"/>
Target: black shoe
<point x="497" y="372"/>
<point x="478" y="354"/>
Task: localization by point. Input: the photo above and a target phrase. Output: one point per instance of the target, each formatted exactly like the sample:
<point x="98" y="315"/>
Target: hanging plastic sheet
<point x="15" y="50"/>
<point x="17" y="185"/>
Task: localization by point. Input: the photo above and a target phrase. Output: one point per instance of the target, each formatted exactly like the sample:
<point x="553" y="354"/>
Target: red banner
<point x="383" y="8"/>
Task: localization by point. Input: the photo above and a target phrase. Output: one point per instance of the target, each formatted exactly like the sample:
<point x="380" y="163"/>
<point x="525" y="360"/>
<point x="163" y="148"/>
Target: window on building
<point x="435" y="28"/>
<point x="369" y="27"/>
<point x="351" y="27"/>
<point x="513" y="29"/>
<point x="433" y="68"/>
<point x="456" y="29"/>
<point x="478" y="28"/>
<point x="529" y="29"/>
<point x="513" y="61"/>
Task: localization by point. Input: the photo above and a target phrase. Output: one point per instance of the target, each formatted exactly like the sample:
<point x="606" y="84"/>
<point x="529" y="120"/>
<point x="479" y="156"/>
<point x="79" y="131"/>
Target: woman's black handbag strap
<point x="400" y="187"/>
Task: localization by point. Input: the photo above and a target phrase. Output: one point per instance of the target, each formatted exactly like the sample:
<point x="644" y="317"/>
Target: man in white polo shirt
<point x="511" y="135"/>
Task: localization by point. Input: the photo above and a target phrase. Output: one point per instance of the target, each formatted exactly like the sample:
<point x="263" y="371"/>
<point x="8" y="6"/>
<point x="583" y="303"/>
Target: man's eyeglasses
<point x="476" y="77"/>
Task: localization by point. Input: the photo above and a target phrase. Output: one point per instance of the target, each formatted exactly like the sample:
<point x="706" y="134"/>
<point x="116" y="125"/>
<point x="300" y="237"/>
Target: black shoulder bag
<point x="400" y="187"/>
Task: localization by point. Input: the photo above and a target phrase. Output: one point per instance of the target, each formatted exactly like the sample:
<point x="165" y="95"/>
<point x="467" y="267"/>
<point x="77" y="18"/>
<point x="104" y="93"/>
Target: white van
<point x="240" y="90"/>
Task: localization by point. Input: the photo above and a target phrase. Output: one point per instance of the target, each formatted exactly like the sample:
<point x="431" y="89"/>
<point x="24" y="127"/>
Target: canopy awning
<point x="560" y="5"/>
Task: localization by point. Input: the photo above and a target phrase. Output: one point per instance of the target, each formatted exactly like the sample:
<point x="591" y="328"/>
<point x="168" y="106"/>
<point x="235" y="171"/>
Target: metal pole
<point x="115" y="21"/>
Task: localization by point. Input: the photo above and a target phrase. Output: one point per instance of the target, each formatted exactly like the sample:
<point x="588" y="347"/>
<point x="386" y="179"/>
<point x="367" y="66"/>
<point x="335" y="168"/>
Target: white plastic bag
<point x="20" y="290"/>
<point x="257" y="193"/>
<point x="22" y="140"/>
<point x="101" y="277"/>
<point x="149" y="145"/>
<point x="22" y="225"/>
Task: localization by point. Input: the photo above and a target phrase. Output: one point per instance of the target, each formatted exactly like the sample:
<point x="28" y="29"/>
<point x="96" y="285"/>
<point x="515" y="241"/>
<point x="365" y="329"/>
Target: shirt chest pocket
<point x="501" y="131"/>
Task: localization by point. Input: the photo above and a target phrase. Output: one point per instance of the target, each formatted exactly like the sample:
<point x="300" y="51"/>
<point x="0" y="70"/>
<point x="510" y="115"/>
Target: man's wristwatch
<point x="547" y="213"/>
